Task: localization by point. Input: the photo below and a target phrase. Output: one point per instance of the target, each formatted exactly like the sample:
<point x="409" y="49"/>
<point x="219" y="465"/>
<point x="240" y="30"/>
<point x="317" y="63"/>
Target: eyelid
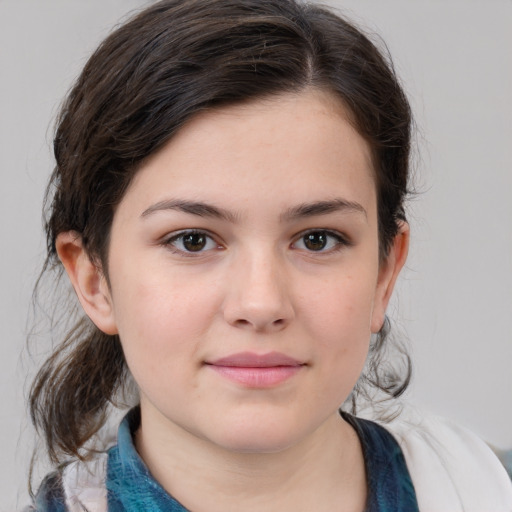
<point x="341" y="239"/>
<point x="167" y="241"/>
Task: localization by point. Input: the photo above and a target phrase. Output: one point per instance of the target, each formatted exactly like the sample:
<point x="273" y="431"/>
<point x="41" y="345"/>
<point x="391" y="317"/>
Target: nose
<point x="258" y="296"/>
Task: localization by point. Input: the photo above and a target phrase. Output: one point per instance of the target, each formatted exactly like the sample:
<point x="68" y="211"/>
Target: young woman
<point x="228" y="203"/>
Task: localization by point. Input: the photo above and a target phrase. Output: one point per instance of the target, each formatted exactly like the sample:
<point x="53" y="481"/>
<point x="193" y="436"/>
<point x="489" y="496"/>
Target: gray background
<point x="455" y="297"/>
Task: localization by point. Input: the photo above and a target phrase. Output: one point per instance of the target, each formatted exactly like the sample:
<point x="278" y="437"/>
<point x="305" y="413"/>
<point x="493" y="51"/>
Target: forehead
<point x="281" y="149"/>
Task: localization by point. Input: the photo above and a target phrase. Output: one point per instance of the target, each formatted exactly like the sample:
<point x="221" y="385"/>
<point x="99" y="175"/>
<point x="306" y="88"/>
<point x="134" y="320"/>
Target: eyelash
<point x="170" y="241"/>
<point x="339" y="243"/>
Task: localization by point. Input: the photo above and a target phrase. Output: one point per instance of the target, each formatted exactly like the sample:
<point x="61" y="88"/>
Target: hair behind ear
<point x="85" y="374"/>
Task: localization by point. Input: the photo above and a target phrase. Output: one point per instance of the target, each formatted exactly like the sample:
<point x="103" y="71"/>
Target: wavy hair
<point x="150" y="76"/>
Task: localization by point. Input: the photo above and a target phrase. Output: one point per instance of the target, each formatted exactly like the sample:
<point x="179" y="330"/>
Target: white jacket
<point x="451" y="468"/>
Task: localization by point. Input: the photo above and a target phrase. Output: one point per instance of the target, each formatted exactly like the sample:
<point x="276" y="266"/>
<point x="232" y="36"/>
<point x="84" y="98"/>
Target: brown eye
<point x="315" y="241"/>
<point x="321" y="241"/>
<point x="194" y="242"/>
<point x="191" y="242"/>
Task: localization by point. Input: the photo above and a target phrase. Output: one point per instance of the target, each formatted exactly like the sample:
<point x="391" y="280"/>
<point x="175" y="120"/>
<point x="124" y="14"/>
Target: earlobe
<point x="88" y="281"/>
<point x="388" y="273"/>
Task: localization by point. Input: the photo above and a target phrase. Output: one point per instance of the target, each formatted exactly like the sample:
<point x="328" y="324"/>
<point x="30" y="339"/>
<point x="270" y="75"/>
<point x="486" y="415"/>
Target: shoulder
<point x="78" y="486"/>
<point x="451" y="468"/>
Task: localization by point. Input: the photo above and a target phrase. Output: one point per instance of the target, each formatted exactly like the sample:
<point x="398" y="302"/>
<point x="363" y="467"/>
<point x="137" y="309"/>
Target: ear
<point x="389" y="269"/>
<point x="88" y="281"/>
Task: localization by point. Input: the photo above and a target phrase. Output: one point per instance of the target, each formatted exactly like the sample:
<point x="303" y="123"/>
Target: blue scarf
<point x="131" y="488"/>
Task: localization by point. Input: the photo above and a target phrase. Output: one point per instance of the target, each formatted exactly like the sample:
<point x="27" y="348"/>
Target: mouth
<point x="257" y="370"/>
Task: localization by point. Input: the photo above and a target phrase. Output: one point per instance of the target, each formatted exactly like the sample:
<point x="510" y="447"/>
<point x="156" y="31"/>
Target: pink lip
<point x="257" y="370"/>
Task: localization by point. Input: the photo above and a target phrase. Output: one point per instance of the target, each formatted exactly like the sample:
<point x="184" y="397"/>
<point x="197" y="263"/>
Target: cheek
<point x="343" y="305"/>
<point x="161" y="320"/>
<point x="340" y="322"/>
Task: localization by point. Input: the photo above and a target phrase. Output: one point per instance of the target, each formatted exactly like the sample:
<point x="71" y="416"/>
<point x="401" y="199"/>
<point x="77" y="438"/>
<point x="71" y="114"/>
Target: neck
<point x="325" y="471"/>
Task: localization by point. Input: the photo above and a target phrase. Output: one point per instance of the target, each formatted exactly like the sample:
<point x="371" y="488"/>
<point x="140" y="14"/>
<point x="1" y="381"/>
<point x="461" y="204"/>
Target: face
<point x="244" y="272"/>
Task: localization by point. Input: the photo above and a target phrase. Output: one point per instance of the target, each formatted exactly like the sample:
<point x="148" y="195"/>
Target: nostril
<point x="242" y="322"/>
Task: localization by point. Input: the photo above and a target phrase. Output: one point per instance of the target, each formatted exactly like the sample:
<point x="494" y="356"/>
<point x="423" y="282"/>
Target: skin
<point x="255" y="286"/>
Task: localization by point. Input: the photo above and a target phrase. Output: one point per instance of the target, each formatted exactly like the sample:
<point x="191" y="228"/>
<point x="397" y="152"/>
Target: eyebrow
<point x="323" y="208"/>
<point x="192" y="207"/>
<point x="296" y="212"/>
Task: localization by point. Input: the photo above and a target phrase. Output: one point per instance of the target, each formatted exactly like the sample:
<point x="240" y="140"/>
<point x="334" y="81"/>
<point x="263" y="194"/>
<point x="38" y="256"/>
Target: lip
<point x="257" y="370"/>
<point x="253" y="360"/>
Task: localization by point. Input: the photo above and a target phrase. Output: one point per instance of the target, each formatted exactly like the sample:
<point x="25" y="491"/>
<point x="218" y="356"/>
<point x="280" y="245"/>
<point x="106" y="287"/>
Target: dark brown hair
<point x="151" y="75"/>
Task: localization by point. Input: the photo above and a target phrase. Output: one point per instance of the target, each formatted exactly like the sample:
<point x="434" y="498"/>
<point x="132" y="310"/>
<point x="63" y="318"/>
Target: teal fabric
<point x="131" y="488"/>
<point x="50" y="497"/>
<point x="390" y="488"/>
